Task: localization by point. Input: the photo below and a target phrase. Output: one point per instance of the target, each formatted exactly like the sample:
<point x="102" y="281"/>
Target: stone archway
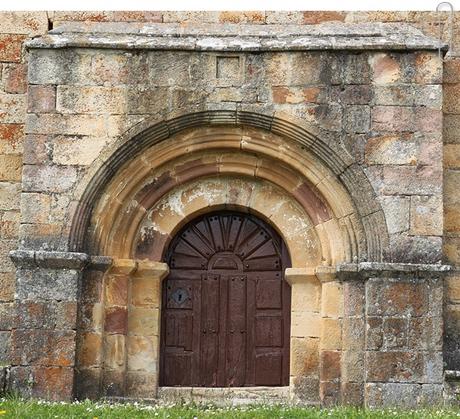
<point x="288" y="139"/>
<point x="194" y="172"/>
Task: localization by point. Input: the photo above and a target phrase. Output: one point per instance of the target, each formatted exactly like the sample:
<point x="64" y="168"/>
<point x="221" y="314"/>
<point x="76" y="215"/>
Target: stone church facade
<point x="230" y="205"/>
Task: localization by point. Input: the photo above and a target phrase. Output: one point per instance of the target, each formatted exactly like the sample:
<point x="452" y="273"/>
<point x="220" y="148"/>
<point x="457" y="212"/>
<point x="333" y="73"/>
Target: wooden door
<point x="226" y="306"/>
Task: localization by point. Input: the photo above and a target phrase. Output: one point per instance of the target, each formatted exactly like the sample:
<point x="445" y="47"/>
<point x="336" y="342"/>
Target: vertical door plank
<point x="196" y="345"/>
<point x="250" y="327"/>
<point x="209" y="329"/>
<point x="236" y="331"/>
<point x="223" y="324"/>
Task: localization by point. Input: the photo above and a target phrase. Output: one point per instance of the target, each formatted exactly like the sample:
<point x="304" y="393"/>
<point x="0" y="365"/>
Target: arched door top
<point x="226" y="241"/>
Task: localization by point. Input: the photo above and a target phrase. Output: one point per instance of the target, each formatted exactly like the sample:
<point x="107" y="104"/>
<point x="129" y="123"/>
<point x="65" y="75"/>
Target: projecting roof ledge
<point x="238" y="37"/>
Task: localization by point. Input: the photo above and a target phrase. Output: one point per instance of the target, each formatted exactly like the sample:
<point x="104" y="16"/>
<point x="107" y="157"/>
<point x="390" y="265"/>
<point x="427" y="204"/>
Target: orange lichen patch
<point x="11" y="132"/>
<point x="11" y="47"/>
<point x="293" y="95"/>
<point x="53" y="383"/>
<point x="315" y="17"/>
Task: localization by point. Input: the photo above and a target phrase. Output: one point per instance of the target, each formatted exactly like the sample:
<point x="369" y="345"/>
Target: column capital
<point x="299" y="275"/>
<point x="139" y="268"/>
<point x="326" y="273"/>
<point x="122" y="267"/>
<point x="149" y="269"/>
<point x="320" y="273"/>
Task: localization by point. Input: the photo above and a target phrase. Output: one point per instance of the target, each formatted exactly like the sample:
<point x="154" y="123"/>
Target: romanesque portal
<point x="232" y="210"/>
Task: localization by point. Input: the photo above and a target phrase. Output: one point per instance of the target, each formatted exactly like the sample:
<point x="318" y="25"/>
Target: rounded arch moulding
<point x="153" y="162"/>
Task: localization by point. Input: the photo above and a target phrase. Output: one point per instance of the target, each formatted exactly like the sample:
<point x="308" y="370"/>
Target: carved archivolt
<point x="334" y="197"/>
<point x="240" y="168"/>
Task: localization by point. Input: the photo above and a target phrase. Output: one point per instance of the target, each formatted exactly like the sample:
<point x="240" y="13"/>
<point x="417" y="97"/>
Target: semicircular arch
<point x="284" y="152"/>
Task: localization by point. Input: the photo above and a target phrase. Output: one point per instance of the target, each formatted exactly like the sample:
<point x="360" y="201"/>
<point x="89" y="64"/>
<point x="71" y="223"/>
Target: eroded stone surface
<point x="246" y="38"/>
<point x="354" y="150"/>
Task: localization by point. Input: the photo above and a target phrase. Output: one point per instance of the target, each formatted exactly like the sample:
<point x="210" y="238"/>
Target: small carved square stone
<point x="228" y="67"/>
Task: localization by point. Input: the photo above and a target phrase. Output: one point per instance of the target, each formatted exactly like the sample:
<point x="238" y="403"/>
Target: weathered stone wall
<point x="393" y="339"/>
<point x="383" y="108"/>
<point x="15" y="28"/>
<point x="451" y="134"/>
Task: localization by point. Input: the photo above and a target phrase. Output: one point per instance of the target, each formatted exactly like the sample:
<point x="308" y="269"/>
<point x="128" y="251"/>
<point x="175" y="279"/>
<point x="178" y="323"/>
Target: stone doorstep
<point x="226" y="396"/>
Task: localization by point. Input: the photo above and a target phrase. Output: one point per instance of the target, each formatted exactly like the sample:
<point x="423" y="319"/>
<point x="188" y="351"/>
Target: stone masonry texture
<point x="347" y="121"/>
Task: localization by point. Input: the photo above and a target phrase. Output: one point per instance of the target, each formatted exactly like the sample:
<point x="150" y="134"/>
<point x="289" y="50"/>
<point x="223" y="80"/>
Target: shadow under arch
<point x="339" y="162"/>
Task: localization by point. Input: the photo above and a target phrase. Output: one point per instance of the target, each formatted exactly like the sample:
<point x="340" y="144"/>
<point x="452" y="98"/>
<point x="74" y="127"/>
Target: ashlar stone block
<point x="426" y="215"/>
<point x="385" y="68"/>
<point x="304" y="357"/>
<point x="397" y="215"/>
<point x="41" y="99"/>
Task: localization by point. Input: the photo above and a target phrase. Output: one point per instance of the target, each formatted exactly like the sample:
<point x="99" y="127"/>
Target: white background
<point x="222" y="5"/>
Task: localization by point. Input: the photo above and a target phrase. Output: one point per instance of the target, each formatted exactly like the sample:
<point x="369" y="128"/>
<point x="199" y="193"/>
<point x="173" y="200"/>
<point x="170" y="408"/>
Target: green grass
<point x="36" y="409"/>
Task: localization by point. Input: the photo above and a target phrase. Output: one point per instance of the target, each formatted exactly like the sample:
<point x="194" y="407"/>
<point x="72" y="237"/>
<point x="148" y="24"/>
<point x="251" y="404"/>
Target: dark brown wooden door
<point x="226" y="305"/>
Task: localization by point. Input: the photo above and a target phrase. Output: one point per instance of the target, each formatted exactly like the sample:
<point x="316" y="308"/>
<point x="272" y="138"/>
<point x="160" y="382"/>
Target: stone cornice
<point x="58" y="260"/>
<point x="344" y="272"/>
<point x="365" y="270"/>
<point x="240" y="37"/>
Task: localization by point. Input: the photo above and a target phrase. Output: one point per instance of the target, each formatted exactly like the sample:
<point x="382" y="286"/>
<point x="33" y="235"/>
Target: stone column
<point x="44" y="336"/>
<point x="143" y="340"/>
<point x="90" y="330"/>
<point x="305" y="334"/>
<point x="116" y="286"/>
<point x="132" y="291"/>
<point x="331" y="336"/>
<point x="353" y="342"/>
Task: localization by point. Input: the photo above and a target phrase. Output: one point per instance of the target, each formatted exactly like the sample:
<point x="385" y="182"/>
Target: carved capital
<point x="154" y="270"/>
<point x="299" y="275"/>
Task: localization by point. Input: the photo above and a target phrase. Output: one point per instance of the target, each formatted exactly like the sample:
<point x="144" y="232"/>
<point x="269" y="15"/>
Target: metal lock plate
<point x="180" y="296"/>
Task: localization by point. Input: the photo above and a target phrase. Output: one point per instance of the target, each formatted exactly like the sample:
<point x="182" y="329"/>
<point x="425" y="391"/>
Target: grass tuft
<point x="16" y="407"/>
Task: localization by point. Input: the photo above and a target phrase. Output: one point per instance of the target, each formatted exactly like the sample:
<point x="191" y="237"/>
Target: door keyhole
<point x="179" y="296"/>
